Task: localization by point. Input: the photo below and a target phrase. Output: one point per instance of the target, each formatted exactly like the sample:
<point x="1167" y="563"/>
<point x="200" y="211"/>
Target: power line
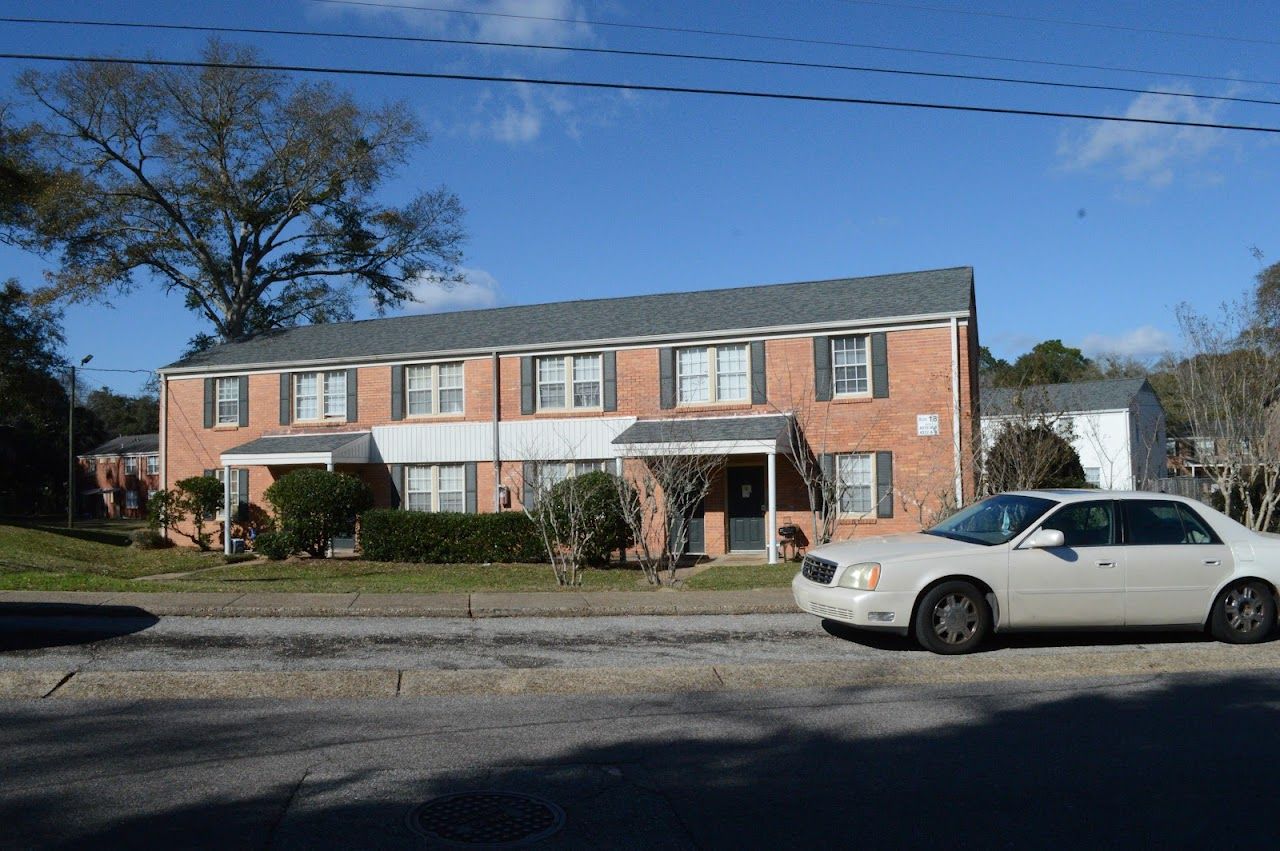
<point x="609" y="51"/>
<point x="381" y="4"/>
<point x="105" y="369"/>
<point x="1099" y="25"/>
<point x="636" y="87"/>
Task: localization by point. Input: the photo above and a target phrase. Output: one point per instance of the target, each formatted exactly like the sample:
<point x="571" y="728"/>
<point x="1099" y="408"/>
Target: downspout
<point x="497" y="448"/>
<point x="164" y="440"/>
<point x="955" y="408"/>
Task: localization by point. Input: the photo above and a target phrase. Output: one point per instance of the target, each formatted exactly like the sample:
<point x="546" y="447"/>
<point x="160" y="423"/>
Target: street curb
<point x="481" y="604"/>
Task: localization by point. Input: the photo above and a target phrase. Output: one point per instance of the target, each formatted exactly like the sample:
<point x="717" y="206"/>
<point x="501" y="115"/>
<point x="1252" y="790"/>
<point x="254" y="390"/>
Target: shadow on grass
<point x="33" y="626"/>
<point x="111" y="537"/>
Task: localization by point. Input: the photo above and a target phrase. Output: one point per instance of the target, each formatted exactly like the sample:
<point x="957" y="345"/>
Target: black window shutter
<point x="822" y="385"/>
<point x="397" y="393"/>
<point x="666" y="377"/>
<point x="609" y="368"/>
<point x="879" y="367"/>
<point x="759" y="390"/>
<point x="526" y="385"/>
<point x="242" y="486"/>
<point x="244" y="400"/>
<point x="529" y="474"/>
<point x="470" y="472"/>
<point x="396" y="472"/>
<point x="286" y="398"/>
<point x="827" y="465"/>
<point x="884" y="484"/>
<point x="353" y="395"/>
<point x="209" y="391"/>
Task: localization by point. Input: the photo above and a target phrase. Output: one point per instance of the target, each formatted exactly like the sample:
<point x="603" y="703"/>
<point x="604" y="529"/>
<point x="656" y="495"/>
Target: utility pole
<point x="71" y="446"/>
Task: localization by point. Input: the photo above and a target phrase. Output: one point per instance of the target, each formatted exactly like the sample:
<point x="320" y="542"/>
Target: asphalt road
<point x="1177" y="761"/>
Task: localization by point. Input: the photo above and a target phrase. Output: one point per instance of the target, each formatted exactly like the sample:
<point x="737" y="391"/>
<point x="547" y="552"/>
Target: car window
<point x="1085" y="524"/>
<point x="1195" y="530"/>
<point x="995" y="520"/>
<point x="1156" y="522"/>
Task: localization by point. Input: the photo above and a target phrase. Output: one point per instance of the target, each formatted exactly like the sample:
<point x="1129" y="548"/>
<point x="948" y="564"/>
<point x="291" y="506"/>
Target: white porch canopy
<point x="349" y="447"/>
<point x="767" y="434"/>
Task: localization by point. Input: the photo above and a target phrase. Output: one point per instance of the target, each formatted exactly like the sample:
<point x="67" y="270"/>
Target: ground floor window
<point x="855" y="481"/>
<point x="435" y="487"/>
<point x="131" y="499"/>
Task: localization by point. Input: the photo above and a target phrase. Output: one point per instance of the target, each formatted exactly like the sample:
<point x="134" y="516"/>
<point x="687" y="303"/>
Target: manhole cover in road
<point x="487" y="819"/>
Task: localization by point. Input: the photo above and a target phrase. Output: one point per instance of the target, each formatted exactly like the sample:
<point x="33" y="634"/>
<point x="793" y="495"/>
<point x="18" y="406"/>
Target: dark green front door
<point x="746" y="505"/>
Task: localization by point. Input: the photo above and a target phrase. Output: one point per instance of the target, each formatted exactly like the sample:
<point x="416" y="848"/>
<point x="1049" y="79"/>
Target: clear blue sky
<point x="1084" y="231"/>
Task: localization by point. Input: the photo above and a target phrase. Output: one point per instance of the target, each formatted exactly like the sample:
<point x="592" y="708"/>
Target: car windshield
<point x="996" y="520"/>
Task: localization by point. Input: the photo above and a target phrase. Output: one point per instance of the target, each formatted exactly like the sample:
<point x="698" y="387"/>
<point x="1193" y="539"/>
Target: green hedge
<point x="449" y="538"/>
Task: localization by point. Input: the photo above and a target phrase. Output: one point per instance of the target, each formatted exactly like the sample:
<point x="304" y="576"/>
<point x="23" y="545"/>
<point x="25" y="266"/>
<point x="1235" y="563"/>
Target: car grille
<point x="818" y="570"/>
<point x="832" y="612"/>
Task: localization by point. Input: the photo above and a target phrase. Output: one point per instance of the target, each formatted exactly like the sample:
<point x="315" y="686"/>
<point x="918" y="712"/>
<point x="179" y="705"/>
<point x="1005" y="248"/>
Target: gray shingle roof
<point x="703" y="429"/>
<point x="129" y="444"/>
<point x="592" y="320"/>
<point x="291" y="443"/>
<point x="1107" y="395"/>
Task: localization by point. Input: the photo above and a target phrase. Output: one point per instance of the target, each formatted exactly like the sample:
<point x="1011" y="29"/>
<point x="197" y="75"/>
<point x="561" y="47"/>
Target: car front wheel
<point x="1244" y="613"/>
<point x="952" y="618"/>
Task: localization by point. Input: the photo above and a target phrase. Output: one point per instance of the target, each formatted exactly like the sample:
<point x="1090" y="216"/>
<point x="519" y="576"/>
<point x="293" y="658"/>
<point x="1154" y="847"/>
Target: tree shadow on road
<point x="32" y="626"/>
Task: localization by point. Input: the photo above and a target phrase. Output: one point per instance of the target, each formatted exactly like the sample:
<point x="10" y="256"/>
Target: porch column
<point x="329" y="466"/>
<point x="771" y="524"/>
<point x="226" y="509"/>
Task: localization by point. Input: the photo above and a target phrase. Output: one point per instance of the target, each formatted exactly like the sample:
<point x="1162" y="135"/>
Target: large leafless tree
<point x="251" y="195"/>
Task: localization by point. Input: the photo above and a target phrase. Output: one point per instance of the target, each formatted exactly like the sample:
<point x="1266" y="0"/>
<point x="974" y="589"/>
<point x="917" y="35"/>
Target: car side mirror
<point x="1046" y="538"/>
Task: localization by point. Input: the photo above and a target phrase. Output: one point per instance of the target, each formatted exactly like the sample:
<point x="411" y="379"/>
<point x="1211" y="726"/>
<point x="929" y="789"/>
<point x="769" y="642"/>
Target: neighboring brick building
<point x="448" y="411"/>
<point x="117" y="477"/>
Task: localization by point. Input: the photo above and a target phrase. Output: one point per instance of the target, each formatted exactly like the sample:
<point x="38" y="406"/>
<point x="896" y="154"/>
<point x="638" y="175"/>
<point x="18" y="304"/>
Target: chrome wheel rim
<point x="955" y="619"/>
<point x="1245" y="609"/>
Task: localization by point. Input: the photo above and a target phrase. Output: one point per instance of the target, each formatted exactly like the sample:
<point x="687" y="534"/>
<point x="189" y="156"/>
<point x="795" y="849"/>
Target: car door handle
<point x="1213" y="561"/>
<point x="1105" y="563"/>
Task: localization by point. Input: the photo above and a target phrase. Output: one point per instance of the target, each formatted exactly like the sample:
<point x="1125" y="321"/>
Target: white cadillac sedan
<point x="1052" y="559"/>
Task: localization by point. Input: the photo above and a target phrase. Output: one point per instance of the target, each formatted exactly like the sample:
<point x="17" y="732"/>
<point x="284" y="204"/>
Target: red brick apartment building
<point x="447" y="412"/>
<point x="117" y="477"/>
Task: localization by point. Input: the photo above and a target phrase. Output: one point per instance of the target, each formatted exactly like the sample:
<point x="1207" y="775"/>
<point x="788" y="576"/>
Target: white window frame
<point x="435" y="387"/>
<point x="322" y="396"/>
<point x="235" y="488"/>
<point x="713" y="375"/>
<point x="153" y="465"/>
<point x="131" y="496"/>
<point x="131" y="465"/>
<point x="435" y="496"/>
<point x="92" y="465"/>
<point x="227" y="401"/>
<point x="866" y="366"/>
<point x="870" y="484"/>
<point x="569" y="366"/>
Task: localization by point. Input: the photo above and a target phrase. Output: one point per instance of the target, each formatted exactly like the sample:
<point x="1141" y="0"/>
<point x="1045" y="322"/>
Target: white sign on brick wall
<point x="927" y="425"/>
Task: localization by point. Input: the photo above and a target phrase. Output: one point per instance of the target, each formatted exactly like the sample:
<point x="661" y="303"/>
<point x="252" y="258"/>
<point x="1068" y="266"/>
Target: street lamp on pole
<point x="71" y="446"/>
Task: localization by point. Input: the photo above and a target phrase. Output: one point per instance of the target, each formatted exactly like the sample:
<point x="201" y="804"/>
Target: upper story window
<point x="320" y="395"/>
<point x="849" y="366"/>
<point x="713" y="374"/>
<point x="435" y="487"/>
<point x="569" y="381"/>
<point x="434" y="389"/>
<point x="153" y="465"/>
<point x="92" y="464"/>
<point x="228" y="401"/>
<point x="131" y="466"/>
<point x="855" y="483"/>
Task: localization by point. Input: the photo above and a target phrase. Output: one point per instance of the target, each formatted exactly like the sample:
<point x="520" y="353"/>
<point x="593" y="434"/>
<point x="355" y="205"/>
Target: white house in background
<point x="1117" y="426"/>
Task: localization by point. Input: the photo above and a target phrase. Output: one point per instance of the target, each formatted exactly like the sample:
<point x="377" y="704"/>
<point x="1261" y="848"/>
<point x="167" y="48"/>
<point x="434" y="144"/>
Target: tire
<point x="952" y="618"/>
<point x="1244" y="613"/>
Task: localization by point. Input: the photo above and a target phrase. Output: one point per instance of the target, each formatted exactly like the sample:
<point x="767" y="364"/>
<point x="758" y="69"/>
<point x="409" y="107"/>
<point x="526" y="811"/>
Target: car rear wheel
<point x="1244" y="613"/>
<point x="952" y="618"/>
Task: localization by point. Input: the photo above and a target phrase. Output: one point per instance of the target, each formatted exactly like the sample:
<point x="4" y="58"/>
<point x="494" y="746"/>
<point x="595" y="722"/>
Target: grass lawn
<point x="743" y="577"/>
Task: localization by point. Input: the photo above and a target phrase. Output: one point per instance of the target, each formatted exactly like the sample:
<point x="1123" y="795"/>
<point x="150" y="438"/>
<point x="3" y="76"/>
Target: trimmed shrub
<point x="316" y="506"/>
<point x="276" y="546"/>
<point x="587" y="508"/>
<point x="449" y="538"/>
<point x="149" y="539"/>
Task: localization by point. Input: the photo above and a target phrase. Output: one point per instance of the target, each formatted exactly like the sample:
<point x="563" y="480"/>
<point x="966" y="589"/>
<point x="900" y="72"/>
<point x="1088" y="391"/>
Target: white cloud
<point x="1149" y="154"/>
<point x="430" y="296"/>
<point x="519" y="113"/>
<point x="1145" y="341"/>
<point x="496" y="20"/>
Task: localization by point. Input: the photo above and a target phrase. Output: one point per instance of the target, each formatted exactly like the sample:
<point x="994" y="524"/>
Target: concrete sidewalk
<point x="477" y="605"/>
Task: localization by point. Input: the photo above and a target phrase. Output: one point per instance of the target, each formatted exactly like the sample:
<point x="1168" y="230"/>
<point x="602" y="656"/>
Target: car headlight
<point x="861" y="577"/>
